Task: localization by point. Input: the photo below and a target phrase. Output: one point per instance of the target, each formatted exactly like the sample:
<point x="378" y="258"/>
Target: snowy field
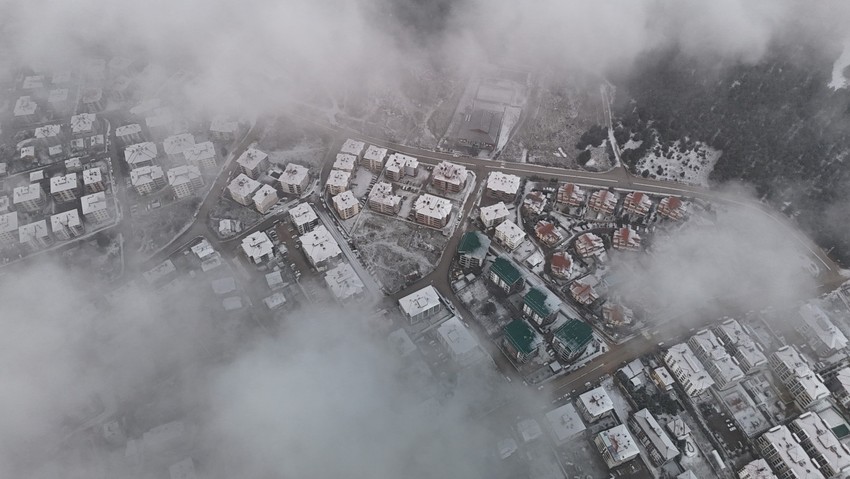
<point x="509" y="120"/>
<point x="839" y="81"/>
<point x="691" y="167"/>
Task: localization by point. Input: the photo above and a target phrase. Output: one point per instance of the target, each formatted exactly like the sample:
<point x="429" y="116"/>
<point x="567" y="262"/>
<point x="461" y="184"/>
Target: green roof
<point x="474" y="243"/>
<point x="574" y="335"/>
<point x="506" y="271"/>
<point x="521" y="336"/>
<point x="539" y="302"/>
<point x="841" y="430"/>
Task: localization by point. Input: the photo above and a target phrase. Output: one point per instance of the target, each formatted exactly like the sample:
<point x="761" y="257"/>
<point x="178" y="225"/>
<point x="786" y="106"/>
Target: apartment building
<point x="28" y="198"/>
<point x="346" y="205"/>
<point x="432" y="211"/>
<point x="253" y="163"/>
<point x="509" y="235"/>
<point x="94" y="207"/>
<point x="66" y="225"/>
<point x="64" y="188"/>
<point x="421" y="304"/>
<point x="805" y="386"/>
<point x="494" y="215"/>
<point x="382" y="199"/>
<point x="502" y="186"/>
<point x="303" y="217"/>
<point x="185" y="180"/>
<point x="242" y="189"/>
<point x="201" y="155"/>
<point x="687" y="370"/>
<point x="449" y="177"/>
<point x="265" y="198"/>
<point x="147" y="179"/>
<point x="294" y="179"/>
<point x="785" y="456"/>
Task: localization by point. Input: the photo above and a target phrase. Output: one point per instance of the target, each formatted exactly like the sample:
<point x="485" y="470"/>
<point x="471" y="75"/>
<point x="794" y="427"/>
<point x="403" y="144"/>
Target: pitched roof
<point x="505" y="270"/>
<point x="539" y="302"/>
<point x="574" y="334"/>
<point x="521" y="336"/>
<point x="474" y="244"/>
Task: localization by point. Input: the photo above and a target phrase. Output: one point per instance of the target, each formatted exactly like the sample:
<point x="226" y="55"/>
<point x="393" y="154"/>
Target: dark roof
<point x="475" y="244"/>
<point x="482" y="126"/>
<point x="521" y="336"/>
<point x="506" y="271"/>
<point x="536" y="300"/>
<point x="574" y="335"/>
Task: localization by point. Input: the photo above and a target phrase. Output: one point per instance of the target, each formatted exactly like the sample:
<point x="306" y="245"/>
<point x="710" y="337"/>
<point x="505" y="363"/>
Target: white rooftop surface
<point x="251" y="158"/>
<point x="352" y="147"/>
<point x="656" y="435"/>
<point x="511" y="231"/>
<point x="264" y="192"/>
<point x="140" y="152"/>
<point x="93" y="203"/>
<point x="401" y="342"/>
<point x="457" y="336"/>
<point x="802" y="372"/>
<point x="343" y="282"/>
<point x="565" y="422"/>
<point x="70" y="218"/>
<point x="63" y="183"/>
<point x="294" y="174"/>
<point x="27" y="151"/>
<point x="664" y="376"/>
<point x="529" y="429"/>
<point x="758" y="469"/>
<point x="375" y="153"/>
<point x="183" y="174"/>
<point x="717" y="354"/>
<point x="145" y="175"/>
<point x="508" y="184"/>
<point x="596" y="401"/>
<point x="275" y="300"/>
<point x="26" y="193"/>
<point x="450" y="173"/>
<point x="382" y="192"/>
<point x="257" y="245"/>
<point x="223" y="286"/>
<point x="419" y="301"/>
<point x="223" y="124"/>
<point x="345" y="161"/>
<point x="177" y="144"/>
<point x="34" y="230"/>
<point x="82" y="123"/>
<point x="55" y="150"/>
<point x="36" y="176"/>
<point x="274" y="279"/>
<point x="689" y="366"/>
<point x="399" y="161"/>
<point x="339" y="178"/>
<point x="302" y="213"/>
<point x="432" y="206"/>
<point x="9" y="222"/>
<point x="71" y="163"/>
<point x="92" y="175"/>
<point x="25" y="106"/>
<point x="792" y="453"/>
<point x="345" y="200"/>
<point x="320" y="245"/>
<point x="824" y="441"/>
<point x="619" y="442"/>
<point x="819" y="323"/>
<point x="203" y="249"/>
<point x="243" y="186"/>
<point x="199" y="151"/>
<point x="494" y="212"/>
<point x="33" y="81"/>
<point x="48" y="131"/>
<point x="843" y="378"/>
<point x="130" y="129"/>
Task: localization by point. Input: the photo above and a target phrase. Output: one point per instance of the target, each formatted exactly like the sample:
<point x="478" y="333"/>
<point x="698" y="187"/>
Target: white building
<point x="49" y="135"/>
<point x="399" y="165"/>
<point x="258" y="247"/>
<point x="564" y="423"/>
<point x="93" y="180"/>
<point x="374" y="157"/>
<point x="353" y="147"/>
<point x="275" y="300"/>
<point x="716" y="360"/>
<point x="382" y="199"/>
<point x="253" y="162"/>
<point x="129" y="134"/>
<point x="223" y="128"/>
<point x="503" y="186"/>
<point x="338" y="181"/>
<point x="840" y="384"/>
<point x="147" y="179"/>
<point x="420" y="304"/>
<point x="319" y="247"/>
<point x="459" y="342"/>
<point x="25" y="109"/>
<point x="742" y="346"/>
<point x="818" y="329"/>
<point x="494" y="215"/>
<point x="175" y="146"/>
<point x="820" y="443"/>
<point x="303" y="217"/>
<point x="242" y="189"/>
<point x="140" y="154"/>
<point x="94" y="207"/>
<point x="758" y="469"/>
<point x="804" y="385"/>
<point x="201" y="155"/>
<point x="657" y="443"/>
<point x="616" y="446"/>
<point x="294" y="179"/>
<point x="66" y="225"/>
<point x="64" y="188"/>
<point x="344" y="282"/>
<point x="83" y="124"/>
<point x="73" y="165"/>
<point x="35" y="234"/>
<point x="28" y="198"/>
<point x="432" y="211"/>
<point x="345" y="162"/>
<point x="687" y="369"/>
<point x="509" y="234"/>
<point x="185" y="180"/>
<point x="449" y="177"/>
<point x="594" y="404"/>
<point x="265" y="198"/>
<point x="9" y="228"/>
<point x="785" y="456"/>
<point x="346" y="205"/>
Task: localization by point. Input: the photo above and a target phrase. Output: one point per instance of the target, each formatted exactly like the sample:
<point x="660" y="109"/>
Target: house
<point x="253" y="163"/>
<point x="303" y="217"/>
<point x="672" y="207"/>
<point x="94" y="207"/>
<point x="540" y="305"/>
<point x="472" y="249"/>
<point x="265" y="198"/>
<point x="820" y="443"/>
<point x="9" y="228"/>
<point x="534" y="203"/>
<point x="589" y="245"/>
<point x="493" y="215"/>
<point x="201" y="155"/>
<point x="520" y="340"/>
<point x="421" y="304"/>
<point x="502" y="186"/>
<point x="344" y="282"/>
<point x="175" y="146"/>
<point x="140" y="154"/>
<point x="805" y="386"/>
<point x="258" y="247"/>
<point x="662" y="378"/>
<point x="656" y="442"/>
<point x="687" y="370"/>
<point x="626" y="239"/>
<point x="319" y="247"/>
<point x="637" y="204"/>
<point x="185" y="180"/>
<point x="479" y="129"/>
<point x="242" y="189"/>
<point x="27" y="153"/>
<point x="819" y="331"/>
<point x="785" y="455"/>
<point x="509" y="234"/>
<point x="547" y="232"/>
<point x="616" y="315"/>
<point x="374" y="157"/>
<point x="505" y="275"/>
<point x="35" y="235"/>
<point x="570" y="340"/>
<point x="294" y="179"/>
<point x="28" y="198"/>
<point x="571" y="195"/>
<point x="399" y="165"/>
<point x="147" y="179"/>
<point x="338" y="181"/>
<point x="449" y="177"/>
<point x="741" y="345"/>
<point x="603" y="202"/>
<point x="583" y="291"/>
<point x="129" y="134"/>
<point x="561" y="264"/>
<point x="353" y="147"/>
<point x="64" y="188"/>
<point x="382" y="199"/>
<point x="460" y="343"/>
<point x="346" y="205"/>
<point x="223" y="128"/>
<point x="616" y="446"/>
<point x="432" y="211"/>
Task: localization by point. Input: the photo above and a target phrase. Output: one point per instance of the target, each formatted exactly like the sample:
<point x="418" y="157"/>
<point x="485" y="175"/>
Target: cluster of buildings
<point x="185" y="160"/>
<point x="258" y="187"/>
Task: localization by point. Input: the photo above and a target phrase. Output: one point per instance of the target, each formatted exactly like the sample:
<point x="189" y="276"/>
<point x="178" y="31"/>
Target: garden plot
<point x="690" y="166"/>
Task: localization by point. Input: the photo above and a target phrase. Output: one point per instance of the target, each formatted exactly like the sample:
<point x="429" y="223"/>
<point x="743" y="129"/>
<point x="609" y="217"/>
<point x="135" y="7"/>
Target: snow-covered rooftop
<point x="458" y="338"/>
<point x="223" y="124"/>
<point x="398" y="162"/>
<point x="596" y="401"/>
<point x="511" y="231"/>
<point x="131" y="129"/>
<point x="48" y="131"/>
<point x="345" y="161"/>
<point x="183" y="174"/>
<point x="686" y="366"/>
<point x="251" y="158"/>
<point x="302" y="214"/>
<point x="35" y="230"/>
<point x="319" y="245"/>
<point x="140" y="153"/>
<point x="82" y="123"/>
<point x="565" y="422"/>
<point x="757" y="469"/>
<point x="338" y="178"/>
<point x="92" y="203"/>
<point x="433" y="206"/>
<point x="343" y="282"/>
<point x="450" y="173"/>
<point x="8" y="222"/>
<point x="375" y="153"/>
<point x="199" y="152"/>
<point x="619" y="443"/>
<point x="26" y="193"/>
<point x="178" y="144"/>
<point x="819" y="324"/>
<point x="63" y="183"/>
<point x="494" y="212"/>
<point x="419" y="301"/>
<point x="824" y="441"/>
<point x="655" y="434"/>
<point x="243" y="186"/>
<point x="344" y="200"/>
<point x="382" y="193"/>
<point x="25" y="106"/>
<point x="502" y="183"/>
<point x="144" y="175"/>
<point x="352" y="147"/>
<point x="294" y="174"/>
<point x="791" y="453"/>
<point x="257" y="245"/>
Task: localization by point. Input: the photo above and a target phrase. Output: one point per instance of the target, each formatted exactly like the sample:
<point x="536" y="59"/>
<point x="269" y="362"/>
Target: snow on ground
<point x="475" y="297"/>
<point x="509" y="120"/>
<point x="307" y="153"/>
<point x="360" y="182"/>
<point x="691" y="167"/>
<point x="838" y="79"/>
